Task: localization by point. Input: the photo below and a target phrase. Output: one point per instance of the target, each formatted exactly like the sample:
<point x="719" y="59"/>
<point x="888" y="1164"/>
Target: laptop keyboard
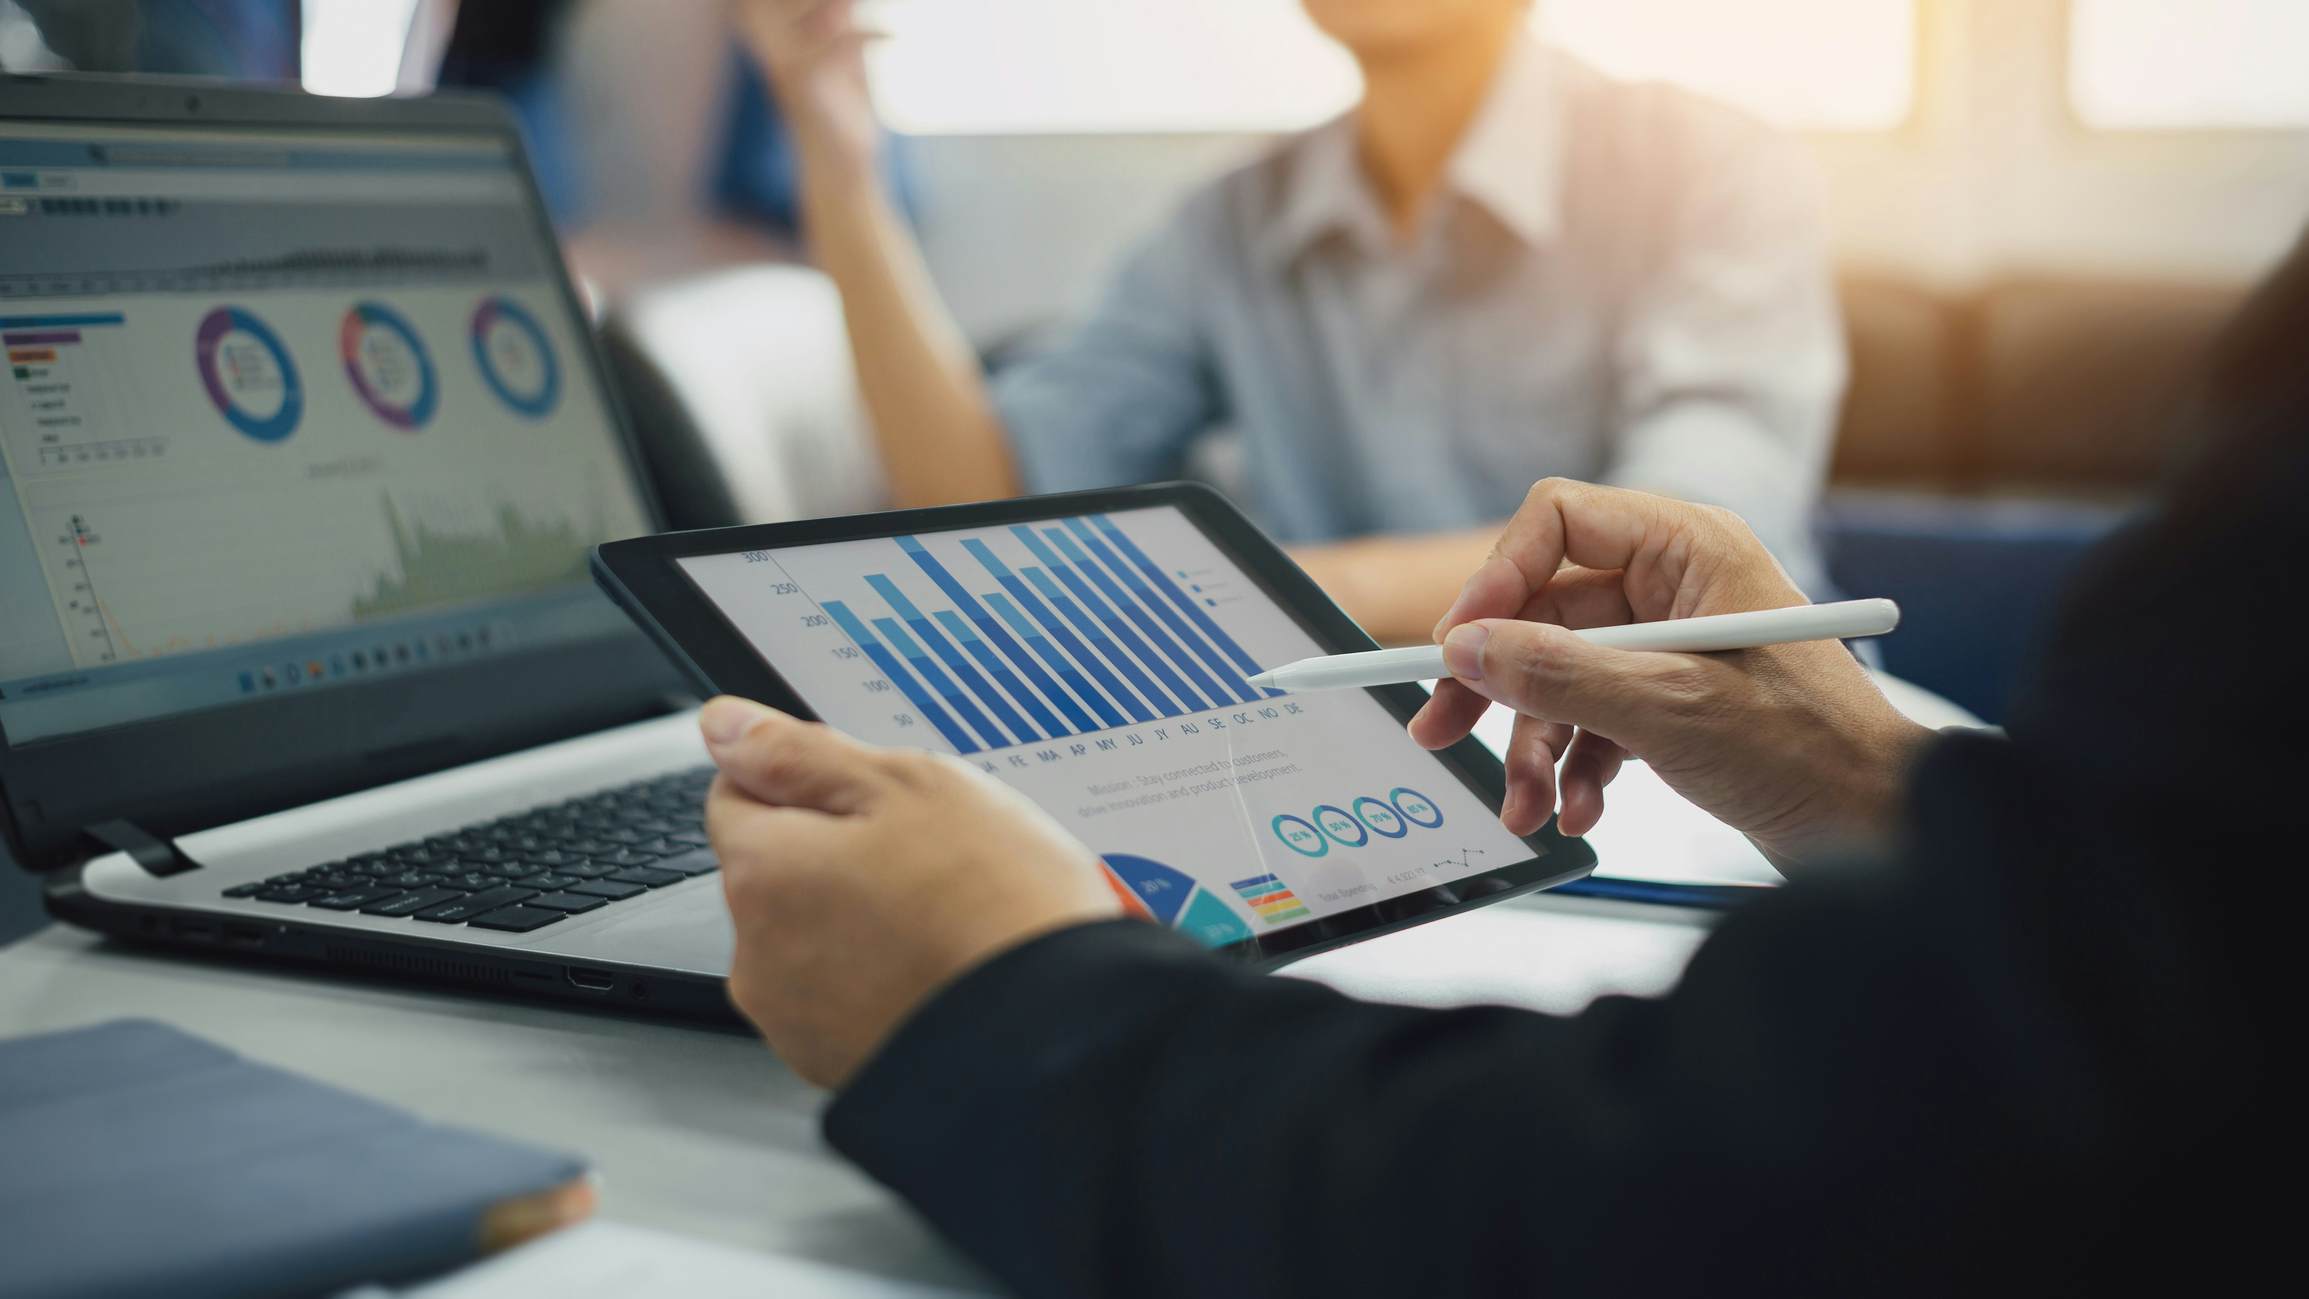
<point x="524" y="871"/>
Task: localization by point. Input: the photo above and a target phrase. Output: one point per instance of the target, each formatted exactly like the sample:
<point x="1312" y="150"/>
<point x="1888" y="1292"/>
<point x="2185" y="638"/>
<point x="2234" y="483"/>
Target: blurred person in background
<point x="659" y="153"/>
<point x="251" y="40"/>
<point x="1498" y="267"/>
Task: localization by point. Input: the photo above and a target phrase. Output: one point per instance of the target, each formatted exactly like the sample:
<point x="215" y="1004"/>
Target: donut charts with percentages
<point x="1098" y="663"/>
<point x="249" y="374"/>
<point x="1358" y="822"/>
<point x="388" y="366"/>
<point x="286" y="410"/>
<point x="515" y="357"/>
<point x="200" y="476"/>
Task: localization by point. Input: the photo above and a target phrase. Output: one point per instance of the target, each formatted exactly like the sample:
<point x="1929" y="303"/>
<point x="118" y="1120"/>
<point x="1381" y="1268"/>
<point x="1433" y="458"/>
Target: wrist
<point x="830" y="157"/>
<point x="1881" y="797"/>
<point x="1861" y="792"/>
<point x="833" y="143"/>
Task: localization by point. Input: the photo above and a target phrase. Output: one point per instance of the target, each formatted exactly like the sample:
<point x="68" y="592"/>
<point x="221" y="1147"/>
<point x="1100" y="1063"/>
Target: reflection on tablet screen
<point x="1098" y="664"/>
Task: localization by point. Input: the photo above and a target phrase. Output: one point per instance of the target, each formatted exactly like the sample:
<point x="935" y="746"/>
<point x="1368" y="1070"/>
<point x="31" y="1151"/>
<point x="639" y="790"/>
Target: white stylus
<point x="1844" y="620"/>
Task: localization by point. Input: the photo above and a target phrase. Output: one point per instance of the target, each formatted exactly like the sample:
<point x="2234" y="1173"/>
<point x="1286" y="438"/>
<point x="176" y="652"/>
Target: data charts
<point x="1354" y="825"/>
<point x="516" y="358"/>
<point x="1171" y="897"/>
<point x="388" y="366"/>
<point x="248" y="374"/>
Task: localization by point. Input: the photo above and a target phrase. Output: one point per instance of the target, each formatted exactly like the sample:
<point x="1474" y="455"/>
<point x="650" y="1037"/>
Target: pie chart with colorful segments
<point x="1171" y="897"/>
<point x="388" y="365"/>
<point x="248" y="374"/>
<point x="1163" y="890"/>
<point x="515" y="356"/>
<point x="1212" y="923"/>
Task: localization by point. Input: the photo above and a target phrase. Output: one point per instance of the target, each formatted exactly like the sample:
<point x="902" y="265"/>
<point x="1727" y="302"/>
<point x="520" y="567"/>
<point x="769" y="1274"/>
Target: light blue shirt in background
<point x="1620" y="283"/>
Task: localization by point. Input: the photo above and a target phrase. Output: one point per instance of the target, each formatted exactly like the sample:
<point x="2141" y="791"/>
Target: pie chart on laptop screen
<point x="516" y="357"/>
<point x="248" y="374"/>
<point x="388" y="366"/>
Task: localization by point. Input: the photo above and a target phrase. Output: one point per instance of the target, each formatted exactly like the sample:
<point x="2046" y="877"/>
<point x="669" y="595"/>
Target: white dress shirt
<point x="1622" y="283"/>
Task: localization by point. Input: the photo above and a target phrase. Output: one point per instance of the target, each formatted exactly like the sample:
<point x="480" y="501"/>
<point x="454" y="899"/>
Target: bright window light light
<point x="353" y="47"/>
<point x="1838" y="65"/>
<point x="990" y="67"/>
<point x="2207" y="64"/>
<point x="1026" y="66"/>
<point x="21" y="47"/>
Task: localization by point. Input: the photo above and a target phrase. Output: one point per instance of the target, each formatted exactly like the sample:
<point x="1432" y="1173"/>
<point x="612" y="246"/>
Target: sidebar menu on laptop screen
<point x="281" y="412"/>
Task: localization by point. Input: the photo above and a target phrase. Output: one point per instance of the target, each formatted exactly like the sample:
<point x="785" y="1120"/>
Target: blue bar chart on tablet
<point x="1009" y="637"/>
<point x="1100" y="664"/>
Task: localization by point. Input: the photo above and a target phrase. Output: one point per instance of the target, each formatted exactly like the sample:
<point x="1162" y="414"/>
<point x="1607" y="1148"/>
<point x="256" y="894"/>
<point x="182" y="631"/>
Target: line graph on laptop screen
<point x="280" y="413"/>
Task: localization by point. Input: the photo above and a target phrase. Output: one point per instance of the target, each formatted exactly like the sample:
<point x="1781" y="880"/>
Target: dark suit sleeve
<point x="1108" y="1110"/>
<point x="2034" y="1051"/>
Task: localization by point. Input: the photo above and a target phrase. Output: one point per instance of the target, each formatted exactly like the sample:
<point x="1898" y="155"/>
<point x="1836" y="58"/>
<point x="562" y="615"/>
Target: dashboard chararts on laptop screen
<point x="1098" y="664"/>
<point x="282" y="411"/>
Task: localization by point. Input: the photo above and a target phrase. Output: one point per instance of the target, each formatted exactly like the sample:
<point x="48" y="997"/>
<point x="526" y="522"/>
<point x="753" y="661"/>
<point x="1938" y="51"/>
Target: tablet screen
<point x="1098" y="664"/>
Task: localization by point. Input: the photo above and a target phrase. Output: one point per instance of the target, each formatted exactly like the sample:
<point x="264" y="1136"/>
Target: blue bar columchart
<point x="1168" y="648"/>
<point x="1117" y="624"/>
<point x="1186" y="604"/>
<point x="1099" y="665"/>
<point x="980" y="689"/>
<point x="1108" y="714"/>
<point x="880" y="656"/>
<point x="1081" y="632"/>
<point x="991" y="632"/>
<point x="1225" y="673"/>
<point x="944" y="685"/>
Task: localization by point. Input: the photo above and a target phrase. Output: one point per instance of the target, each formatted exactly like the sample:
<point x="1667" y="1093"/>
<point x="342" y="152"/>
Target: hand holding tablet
<point x="1103" y="654"/>
<point x="1055" y="714"/>
<point x="861" y="880"/>
<point x="1094" y="653"/>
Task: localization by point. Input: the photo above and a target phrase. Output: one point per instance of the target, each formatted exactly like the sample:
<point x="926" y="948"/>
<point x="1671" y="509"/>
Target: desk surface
<point x="701" y="1132"/>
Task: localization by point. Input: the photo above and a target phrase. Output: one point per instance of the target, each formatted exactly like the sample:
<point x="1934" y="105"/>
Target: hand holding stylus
<point x="1712" y="634"/>
<point x="1790" y="743"/>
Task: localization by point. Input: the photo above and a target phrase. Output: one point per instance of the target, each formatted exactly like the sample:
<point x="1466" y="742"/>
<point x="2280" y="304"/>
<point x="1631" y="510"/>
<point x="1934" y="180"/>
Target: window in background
<point x="22" y="49"/>
<point x="353" y="47"/>
<point x="2160" y="65"/>
<point x="1828" y="65"/>
<point x="993" y="67"/>
<point x="1030" y="66"/>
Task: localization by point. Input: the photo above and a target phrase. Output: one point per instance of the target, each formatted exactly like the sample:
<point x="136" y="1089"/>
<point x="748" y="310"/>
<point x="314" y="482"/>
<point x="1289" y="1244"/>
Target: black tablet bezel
<point x="646" y="580"/>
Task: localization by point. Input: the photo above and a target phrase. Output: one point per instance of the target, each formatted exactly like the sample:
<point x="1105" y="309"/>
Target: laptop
<point x="303" y="444"/>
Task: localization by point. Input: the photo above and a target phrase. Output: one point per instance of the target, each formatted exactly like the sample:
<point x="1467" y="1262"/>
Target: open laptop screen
<point x="283" y="411"/>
